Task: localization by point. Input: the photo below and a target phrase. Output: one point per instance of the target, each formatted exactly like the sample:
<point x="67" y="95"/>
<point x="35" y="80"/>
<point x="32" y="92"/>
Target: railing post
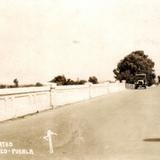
<point x="89" y="89"/>
<point x="52" y="88"/>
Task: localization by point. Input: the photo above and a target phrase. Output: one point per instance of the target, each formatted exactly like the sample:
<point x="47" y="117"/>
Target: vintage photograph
<point x="79" y="80"/>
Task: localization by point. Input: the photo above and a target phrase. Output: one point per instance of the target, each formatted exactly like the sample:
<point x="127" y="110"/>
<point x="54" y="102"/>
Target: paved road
<point x="120" y="126"/>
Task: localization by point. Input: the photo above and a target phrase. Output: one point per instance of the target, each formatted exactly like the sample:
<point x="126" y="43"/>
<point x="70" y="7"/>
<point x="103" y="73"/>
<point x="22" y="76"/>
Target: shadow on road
<point x="152" y="140"/>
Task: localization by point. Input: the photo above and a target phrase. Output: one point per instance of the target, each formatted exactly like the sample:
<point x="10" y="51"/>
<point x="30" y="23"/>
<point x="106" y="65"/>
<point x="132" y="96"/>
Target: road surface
<point x="119" y="126"/>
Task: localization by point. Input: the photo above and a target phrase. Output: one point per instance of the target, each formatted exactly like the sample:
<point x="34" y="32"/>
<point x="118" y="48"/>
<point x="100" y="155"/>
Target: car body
<point x="140" y="81"/>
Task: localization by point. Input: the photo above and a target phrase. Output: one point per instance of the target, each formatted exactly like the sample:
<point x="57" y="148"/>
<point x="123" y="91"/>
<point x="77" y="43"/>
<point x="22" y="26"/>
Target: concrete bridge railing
<point x="18" y="102"/>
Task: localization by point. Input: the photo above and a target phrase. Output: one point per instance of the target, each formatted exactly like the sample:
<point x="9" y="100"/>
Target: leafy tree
<point x="3" y="86"/>
<point x="69" y="82"/>
<point x="60" y="80"/>
<point x="158" y="77"/>
<point x="82" y="82"/>
<point x="93" y="80"/>
<point x="135" y="63"/>
<point x="38" y="84"/>
<point x="16" y="83"/>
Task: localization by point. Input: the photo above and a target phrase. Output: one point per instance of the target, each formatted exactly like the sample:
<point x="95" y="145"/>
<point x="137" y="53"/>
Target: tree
<point x="60" y="80"/>
<point x="135" y="63"/>
<point x="158" y="77"/>
<point x="82" y="81"/>
<point x="16" y="83"/>
<point x="38" y="84"/>
<point x="69" y="82"/>
<point x="93" y="80"/>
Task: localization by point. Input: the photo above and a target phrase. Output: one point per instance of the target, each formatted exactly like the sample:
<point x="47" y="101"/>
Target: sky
<point x="40" y="39"/>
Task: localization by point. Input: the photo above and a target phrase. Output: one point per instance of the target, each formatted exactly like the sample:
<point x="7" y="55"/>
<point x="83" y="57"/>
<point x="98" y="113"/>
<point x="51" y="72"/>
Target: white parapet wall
<point x="116" y="87"/>
<point x="99" y="89"/>
<point x="62" y="95"/>
<point x="18" y="102"/>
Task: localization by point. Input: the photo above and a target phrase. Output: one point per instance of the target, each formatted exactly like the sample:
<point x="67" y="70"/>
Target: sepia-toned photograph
<point x="79" y="80"/>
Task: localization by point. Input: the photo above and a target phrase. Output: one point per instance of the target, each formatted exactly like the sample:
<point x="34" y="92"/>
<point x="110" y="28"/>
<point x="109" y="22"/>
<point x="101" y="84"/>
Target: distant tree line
<point x="59" y="80"/>
<point x="62" y="80"/>
<point x="17" y="85"/>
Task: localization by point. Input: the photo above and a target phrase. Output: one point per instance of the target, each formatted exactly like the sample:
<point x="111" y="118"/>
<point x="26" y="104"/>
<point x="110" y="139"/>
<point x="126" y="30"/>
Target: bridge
<point x="118" y="126"/>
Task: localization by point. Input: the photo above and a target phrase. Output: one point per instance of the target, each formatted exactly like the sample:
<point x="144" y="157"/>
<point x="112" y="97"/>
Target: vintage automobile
<point x="140" y="81"/>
